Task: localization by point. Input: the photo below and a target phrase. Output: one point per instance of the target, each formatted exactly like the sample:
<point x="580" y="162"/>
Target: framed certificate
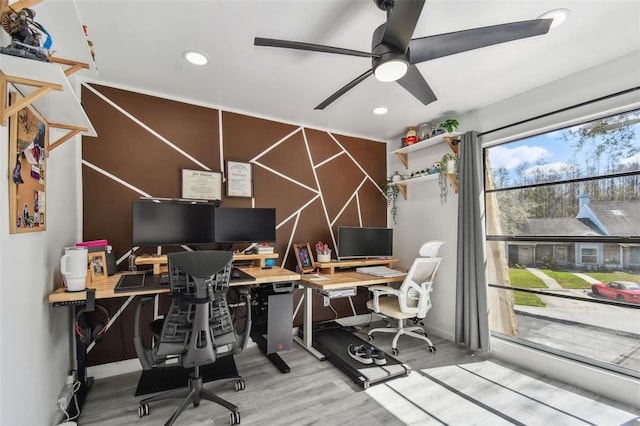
<point x="201" y="185"/>
<point x="239" y="179"/>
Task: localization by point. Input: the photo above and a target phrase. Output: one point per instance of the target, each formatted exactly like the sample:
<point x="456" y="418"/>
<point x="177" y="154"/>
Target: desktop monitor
<point x="245" y="225"/>
<point x="355" y="242"/>
<point x="160" y="224"/>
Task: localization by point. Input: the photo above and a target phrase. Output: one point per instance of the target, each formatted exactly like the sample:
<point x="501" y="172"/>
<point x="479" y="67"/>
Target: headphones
<point x="88" y="332"/>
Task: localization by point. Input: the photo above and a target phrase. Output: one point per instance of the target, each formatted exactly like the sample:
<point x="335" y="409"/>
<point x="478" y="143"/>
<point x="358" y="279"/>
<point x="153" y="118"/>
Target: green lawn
<point x="524" y="279"/>
<point x="567" y="279"/>
<point x="606" y="277"/>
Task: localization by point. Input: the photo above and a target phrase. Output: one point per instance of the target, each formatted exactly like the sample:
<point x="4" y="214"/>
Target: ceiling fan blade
<point x="353" y="83"/>
<point x="415" y="84"/>
<point x="401" y="23"/>
<point x="287" y="44"/>
<point x="436" y="46"/>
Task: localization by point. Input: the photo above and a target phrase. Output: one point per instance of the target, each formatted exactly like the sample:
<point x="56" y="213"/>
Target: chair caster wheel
<point x="432" y="349"/>
<point x="395" y="351"/>
<point x="240" y="385"/>
<point x="370" y="336"/>
<point x="234" y="418"/>
<point x="143" y="410"/>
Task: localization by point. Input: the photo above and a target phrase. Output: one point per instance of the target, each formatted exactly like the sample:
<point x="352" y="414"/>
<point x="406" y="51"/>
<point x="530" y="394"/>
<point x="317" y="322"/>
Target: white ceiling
<point x="139" y="46"/>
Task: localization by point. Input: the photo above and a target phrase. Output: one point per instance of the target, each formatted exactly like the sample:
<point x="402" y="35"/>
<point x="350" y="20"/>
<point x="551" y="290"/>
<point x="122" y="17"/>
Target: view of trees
<point x="604" y="162"/>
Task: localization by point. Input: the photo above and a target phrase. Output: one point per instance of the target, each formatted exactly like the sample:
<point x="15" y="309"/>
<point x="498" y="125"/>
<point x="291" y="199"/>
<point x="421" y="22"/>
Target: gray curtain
<point x="472" y="312"/>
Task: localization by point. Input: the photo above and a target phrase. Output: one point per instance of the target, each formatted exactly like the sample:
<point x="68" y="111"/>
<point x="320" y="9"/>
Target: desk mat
<point x="333" y="342"/>
<point x="167" y="378"/>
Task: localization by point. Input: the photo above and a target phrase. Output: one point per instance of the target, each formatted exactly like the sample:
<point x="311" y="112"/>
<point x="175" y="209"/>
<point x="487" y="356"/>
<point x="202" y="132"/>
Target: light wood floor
<point x="450" y="386"/>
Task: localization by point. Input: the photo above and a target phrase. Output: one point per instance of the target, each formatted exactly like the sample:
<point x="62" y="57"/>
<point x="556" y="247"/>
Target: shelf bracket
<point x="403" y="189"/>
<point x="453" y="142"/>
<point x="404" y="157"/>
<point x="73" y="130"/>
<point x="453" y="178"/>
<point x="7" y="111"/>
<point x="73" y="65"/>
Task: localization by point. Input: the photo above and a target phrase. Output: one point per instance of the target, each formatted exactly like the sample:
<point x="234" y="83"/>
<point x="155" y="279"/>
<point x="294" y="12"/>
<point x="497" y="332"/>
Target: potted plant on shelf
<point x="450" y="125"/>
<point x="448" y="165"/>
<point x="390" y="192"/>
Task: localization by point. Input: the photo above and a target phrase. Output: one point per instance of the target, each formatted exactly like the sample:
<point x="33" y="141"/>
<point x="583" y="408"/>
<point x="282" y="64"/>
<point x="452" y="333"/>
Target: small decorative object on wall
<point x="390" y="192"/>
<point x="304" y="257"/>
<point x="239" y="179"/>
<point x="448" y="166"/>
<point x="28" y="149"/>
<point x="97" y="266"/>
<point x="201" y="185"/>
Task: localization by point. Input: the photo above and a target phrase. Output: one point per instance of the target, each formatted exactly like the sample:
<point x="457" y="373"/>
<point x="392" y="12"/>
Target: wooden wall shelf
<point x="452" y="139"/>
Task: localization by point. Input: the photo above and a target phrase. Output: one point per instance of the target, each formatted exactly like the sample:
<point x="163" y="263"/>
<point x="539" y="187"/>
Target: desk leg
<point x="307" y="326"/>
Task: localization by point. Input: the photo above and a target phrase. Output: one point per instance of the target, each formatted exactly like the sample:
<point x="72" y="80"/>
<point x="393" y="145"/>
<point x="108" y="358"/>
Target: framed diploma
<point x="201" y="185"/>
<point x="239" y="179"/>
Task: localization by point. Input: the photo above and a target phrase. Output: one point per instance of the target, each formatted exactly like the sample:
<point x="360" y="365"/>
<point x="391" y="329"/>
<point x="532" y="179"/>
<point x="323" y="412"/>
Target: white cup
<point x="73" y="266"/>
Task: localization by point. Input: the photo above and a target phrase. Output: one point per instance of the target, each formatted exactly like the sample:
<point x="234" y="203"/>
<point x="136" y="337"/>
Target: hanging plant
<point x="448" y="165"/>
<point x="390" y="193"/>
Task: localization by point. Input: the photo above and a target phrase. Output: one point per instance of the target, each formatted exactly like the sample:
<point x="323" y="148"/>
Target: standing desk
<point x="104" y="289"/>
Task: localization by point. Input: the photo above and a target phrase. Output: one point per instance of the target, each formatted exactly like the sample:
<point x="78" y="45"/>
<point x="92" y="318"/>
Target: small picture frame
<point x="239" y="179"/>
<point x="304" y="257"/>
<point x="97" y="266"/>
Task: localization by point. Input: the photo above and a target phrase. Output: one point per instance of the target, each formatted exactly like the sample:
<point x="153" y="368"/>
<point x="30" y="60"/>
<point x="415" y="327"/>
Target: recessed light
<point x="558" y="16"/>
<point x="194" y="57"/>
<point x="380" y="110"/>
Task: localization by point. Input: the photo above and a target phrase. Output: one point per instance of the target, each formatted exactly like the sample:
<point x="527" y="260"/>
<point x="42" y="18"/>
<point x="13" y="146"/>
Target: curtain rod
<point x="613" y="95"/>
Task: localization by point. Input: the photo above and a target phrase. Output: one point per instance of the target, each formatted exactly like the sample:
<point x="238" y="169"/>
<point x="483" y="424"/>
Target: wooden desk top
<point x="105" y="288"/>
<point x="339" y="280"/>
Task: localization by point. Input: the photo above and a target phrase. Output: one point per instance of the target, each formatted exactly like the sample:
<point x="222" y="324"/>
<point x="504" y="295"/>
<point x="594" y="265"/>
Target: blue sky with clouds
<point x="550" y="149"/>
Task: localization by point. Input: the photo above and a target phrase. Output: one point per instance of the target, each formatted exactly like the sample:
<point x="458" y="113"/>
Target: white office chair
<point x="411" y="300"/>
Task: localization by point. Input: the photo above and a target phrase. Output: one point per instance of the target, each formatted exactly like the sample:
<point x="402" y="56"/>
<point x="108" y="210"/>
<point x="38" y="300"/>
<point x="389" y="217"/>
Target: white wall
<point x="35" y="351"/>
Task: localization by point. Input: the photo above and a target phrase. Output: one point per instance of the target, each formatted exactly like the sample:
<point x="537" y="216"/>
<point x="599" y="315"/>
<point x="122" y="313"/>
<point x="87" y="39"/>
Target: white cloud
<point x="545" y="169"/>
<point x="510" y="158"/>
<point x="634" y="159"/>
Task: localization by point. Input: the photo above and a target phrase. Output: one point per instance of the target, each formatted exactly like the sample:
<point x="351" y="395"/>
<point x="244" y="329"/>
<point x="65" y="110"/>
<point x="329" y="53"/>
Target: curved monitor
<point x="161" y="224"/>
<point x="355" y="242"/>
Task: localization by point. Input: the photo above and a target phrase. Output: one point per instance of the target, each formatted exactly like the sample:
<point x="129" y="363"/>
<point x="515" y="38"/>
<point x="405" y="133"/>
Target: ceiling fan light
<point x="558" y="16"/>
<point x="391" y="70"/>
<point x="194" y="57"/>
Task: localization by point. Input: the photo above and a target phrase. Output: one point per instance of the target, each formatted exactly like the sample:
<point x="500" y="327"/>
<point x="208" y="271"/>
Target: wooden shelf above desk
<point x="160" y="262"/>
<point x="330" y="267"/>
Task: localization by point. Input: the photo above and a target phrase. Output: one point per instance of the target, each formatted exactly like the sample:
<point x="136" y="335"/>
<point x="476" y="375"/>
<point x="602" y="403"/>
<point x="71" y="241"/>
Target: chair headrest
<point x="430" y="248"/>
<point x="202" y="263"/>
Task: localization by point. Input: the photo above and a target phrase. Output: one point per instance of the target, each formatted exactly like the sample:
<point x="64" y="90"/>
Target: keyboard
<point x="380" y="271"/>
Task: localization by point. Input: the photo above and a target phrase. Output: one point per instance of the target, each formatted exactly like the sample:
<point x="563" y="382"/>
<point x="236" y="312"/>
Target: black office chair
<point x="198" y="329"/>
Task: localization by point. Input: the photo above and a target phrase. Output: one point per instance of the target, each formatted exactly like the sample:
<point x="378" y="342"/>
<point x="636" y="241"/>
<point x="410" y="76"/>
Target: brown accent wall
<point x="314" y="180"/>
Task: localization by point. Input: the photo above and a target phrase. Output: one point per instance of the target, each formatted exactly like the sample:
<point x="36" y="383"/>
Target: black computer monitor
<point x="245" y="225"/>
<point x="170" y="223"/>
<point x="356" y="242"/>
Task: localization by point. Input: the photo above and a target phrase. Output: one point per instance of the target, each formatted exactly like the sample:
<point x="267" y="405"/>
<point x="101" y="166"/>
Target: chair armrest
<point x="143" y="354"/>
<point x="381" y="290"/>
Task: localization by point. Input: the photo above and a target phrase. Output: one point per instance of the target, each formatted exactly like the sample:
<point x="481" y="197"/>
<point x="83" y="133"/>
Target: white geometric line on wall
<point x="293" y="232"/>
<point x="333" y="157"/>
<point x="147" y="128"/>
<point x="221" y="147"/>
<point x="115" y="178"/>
<point x="315" y="177"/>
<point x="355" y="162"/>
<point x="285" y="177"/>
<point x="346" y="204"/>
<point x="275" y="144"/>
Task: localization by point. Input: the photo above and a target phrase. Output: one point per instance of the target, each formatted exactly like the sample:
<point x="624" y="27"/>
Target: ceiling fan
<point x="394" y="54"/>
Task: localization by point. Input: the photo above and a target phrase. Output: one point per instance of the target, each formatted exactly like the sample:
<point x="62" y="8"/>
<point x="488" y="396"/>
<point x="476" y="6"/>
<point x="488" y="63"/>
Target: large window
<point x="563" y="213"/>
